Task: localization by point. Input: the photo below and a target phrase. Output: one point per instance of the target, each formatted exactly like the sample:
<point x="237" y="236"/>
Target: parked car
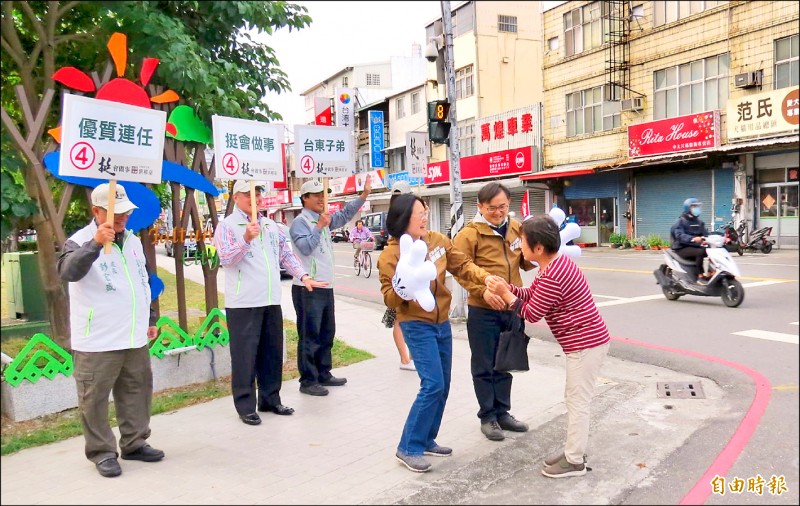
<point x="376" y="223"/>
<point x="340" y="235"/>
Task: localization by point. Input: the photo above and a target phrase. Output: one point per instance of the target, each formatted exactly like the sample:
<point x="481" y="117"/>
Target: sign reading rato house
<point x="674" y="135"/>
<point x="499" y="163"/>
<point x="108" y="140"/>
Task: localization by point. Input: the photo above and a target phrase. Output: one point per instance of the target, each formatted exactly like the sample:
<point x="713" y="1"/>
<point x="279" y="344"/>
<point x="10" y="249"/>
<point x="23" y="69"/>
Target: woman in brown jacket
<point x="427" y="333"/>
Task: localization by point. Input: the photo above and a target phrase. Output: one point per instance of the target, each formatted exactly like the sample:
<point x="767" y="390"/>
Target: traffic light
<point x="438" y="126"/>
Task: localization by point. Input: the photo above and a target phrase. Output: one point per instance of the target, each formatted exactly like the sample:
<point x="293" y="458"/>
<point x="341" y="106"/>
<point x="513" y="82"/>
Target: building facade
<point x="647" y="103"/>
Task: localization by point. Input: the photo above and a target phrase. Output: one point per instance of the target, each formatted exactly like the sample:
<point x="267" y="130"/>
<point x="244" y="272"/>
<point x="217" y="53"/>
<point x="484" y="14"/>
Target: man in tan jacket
<point x="492" y="242"/>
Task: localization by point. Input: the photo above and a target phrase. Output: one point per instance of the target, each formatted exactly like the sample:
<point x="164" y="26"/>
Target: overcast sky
<point x="344" y="34"/>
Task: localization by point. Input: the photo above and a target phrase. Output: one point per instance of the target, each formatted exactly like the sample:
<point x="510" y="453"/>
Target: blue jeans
<point x="431" y="345"/>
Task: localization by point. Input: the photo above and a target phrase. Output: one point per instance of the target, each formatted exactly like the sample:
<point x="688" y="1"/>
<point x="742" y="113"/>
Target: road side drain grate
<point x="680" y="390"/>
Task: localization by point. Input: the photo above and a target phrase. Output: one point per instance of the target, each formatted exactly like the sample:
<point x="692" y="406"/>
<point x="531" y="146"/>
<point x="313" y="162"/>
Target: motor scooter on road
<point x="678" y="277"/>
<point x="759" y="240"/>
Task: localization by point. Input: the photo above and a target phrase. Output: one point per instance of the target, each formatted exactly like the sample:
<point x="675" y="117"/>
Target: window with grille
<point x="466" y="137"/>
<point x="373" y="79"/>
<point x="464" y="87"/>
<point x="588" y="112"/>
<point x="507" y="24"/>
<point x="344" y="81"/>
<point x="585" y="28"/>
<point x="698" y="86"/>
<point x="400" y="108"/>
<point x="416" y="105"/>
<point x="667" y="11"/>
<point x="786" y="62"/>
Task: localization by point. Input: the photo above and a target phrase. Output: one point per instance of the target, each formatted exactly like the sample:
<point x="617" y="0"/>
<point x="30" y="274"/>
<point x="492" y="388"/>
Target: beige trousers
<point x="128" y="375"/>
<point x="583" y="367"/>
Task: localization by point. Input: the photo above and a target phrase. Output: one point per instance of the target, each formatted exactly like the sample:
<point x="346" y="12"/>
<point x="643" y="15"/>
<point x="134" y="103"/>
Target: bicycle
<point x="364" y="260"/>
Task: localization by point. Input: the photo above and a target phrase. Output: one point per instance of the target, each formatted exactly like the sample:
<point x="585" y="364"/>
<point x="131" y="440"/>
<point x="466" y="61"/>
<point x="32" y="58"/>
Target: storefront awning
<point x="395" y="146"/>
<point x="557" y="173"/>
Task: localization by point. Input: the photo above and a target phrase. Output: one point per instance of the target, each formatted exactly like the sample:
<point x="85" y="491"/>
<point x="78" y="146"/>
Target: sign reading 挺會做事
<point x="101" y="139"/>
<point x="323" y="151"/>
<point x="344" y="103"/>
<point x="376" y="140"/>
<point x="247" y="149"/>
<point x="771" y="112"/>
<point x="418" y="149"/>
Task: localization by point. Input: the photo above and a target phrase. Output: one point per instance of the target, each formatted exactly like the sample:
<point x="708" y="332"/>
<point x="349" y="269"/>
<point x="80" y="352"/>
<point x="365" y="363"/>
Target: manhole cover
<point x="680" y="390"/>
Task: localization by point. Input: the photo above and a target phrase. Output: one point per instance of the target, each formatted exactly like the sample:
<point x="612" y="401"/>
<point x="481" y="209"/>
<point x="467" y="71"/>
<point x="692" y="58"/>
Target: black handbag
<point x="512" y="348"/>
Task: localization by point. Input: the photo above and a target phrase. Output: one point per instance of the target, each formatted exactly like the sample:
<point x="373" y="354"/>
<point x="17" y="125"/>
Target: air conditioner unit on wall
<point x="633" y="104"/>
<point x="748" y="79"/>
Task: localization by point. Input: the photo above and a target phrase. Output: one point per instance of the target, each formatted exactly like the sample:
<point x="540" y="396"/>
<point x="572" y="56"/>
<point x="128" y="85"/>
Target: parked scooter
<point x="733" y="241"/>
<point x="678" y="277"/>
<point x="758" y="241"/>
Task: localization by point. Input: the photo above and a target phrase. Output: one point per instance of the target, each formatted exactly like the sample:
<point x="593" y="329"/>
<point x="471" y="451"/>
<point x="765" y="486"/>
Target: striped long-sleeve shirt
<point x="561" y="296"/>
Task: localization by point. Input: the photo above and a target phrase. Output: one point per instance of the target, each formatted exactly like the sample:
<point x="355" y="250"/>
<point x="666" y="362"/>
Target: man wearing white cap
<point x="111" y="322"/>
<point x="251" y="253"/>
<point x="316" y="323"/>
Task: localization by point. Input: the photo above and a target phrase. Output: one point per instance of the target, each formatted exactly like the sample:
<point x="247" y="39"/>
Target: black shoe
<point x="333" y="382"/>
<point x="512" y="424"/>
<point x="109" y="467"/>
<point x="314" y="389"/>
<point x="251" y="419"/>
<point x="145" y="453"/>
<point x="278" y="409"/>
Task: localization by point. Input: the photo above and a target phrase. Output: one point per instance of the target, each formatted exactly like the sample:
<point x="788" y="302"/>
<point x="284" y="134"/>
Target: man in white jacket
<point x="110" y="324"/>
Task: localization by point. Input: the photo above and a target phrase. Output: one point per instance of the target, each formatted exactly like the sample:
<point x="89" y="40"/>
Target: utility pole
<point x="456" y="200"/>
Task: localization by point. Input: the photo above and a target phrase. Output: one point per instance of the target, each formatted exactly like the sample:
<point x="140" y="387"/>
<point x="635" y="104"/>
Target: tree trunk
<point x="54" y="292"/>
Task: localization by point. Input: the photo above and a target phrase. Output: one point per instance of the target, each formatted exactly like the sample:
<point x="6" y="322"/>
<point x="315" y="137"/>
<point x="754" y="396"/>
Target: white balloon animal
<point x="570" y="232"/>
<point x="413" y="275"/>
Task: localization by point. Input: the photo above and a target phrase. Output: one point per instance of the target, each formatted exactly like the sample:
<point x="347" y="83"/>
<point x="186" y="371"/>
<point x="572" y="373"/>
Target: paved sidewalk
<point x="340" y="449"/>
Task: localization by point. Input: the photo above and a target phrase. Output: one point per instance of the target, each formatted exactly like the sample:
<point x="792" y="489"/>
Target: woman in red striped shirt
<point x="561" y="296"/>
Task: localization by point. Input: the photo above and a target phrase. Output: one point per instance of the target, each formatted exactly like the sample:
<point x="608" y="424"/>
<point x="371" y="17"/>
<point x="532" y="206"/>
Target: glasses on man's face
<point x="493" y="209"/>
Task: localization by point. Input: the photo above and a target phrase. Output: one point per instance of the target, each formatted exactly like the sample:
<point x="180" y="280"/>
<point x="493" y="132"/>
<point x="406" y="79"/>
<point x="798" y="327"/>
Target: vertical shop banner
<point x="107" y="140"/>
<point x="344" y="103"/>
<point x="322" y="111"/>
<point x="525" y="209"/>
<point x="376" y="139"/>
<point x="247" y="149"/>
<point x="418" y="149"/>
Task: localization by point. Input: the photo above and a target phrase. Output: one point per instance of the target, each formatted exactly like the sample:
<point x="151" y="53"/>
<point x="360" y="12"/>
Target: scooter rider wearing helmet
<point x="687" y="235"/>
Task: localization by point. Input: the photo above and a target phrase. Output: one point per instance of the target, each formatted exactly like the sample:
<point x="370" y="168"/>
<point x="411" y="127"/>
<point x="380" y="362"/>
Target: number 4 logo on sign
<point x="82" y="155"/>
<point x="230" y="164"/>
<point x="307" y="164"/>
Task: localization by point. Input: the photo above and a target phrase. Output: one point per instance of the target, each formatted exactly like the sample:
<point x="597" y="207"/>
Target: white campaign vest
<point x="255" y="280"/>
<point x="110" y="306"/>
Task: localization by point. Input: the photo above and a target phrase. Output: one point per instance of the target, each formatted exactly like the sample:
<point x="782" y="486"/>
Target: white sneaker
<point x="408" y="367"/>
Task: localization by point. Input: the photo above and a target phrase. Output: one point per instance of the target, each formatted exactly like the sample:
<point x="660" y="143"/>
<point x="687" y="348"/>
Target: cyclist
<point x="360" y="234"/>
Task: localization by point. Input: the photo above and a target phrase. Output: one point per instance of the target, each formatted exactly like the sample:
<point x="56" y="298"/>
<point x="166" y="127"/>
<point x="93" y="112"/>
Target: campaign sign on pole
<point x="107" y="140"/>
<point x="418" y="149"/>
<point x="323" y="151"/>
<point x="344" y="103"/>
<point x="376" y="140"/>
<point x="322" y="111"/>
<point x="247" y="149"/>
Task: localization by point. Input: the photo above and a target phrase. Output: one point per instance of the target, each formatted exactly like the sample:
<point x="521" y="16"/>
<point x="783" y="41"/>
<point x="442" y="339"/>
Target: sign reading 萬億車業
<point x="247" y="149"/>
<point x="101" y="139"/>
<point x="323" y="151"/>
<point x="376" y="140"/>
<point x="767" y="113"/>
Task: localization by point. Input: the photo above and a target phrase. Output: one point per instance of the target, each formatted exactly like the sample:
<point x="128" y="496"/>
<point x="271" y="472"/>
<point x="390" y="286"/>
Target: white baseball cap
<point x="243" y="186"/>
<point x="122" y="204"/>
<point x="312" y="186"/>
<point x="401" y="187"/>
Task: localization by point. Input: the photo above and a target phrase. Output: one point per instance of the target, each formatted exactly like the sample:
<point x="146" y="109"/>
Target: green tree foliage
<point x="17" y="207"/>
<point x="207" y="52"/>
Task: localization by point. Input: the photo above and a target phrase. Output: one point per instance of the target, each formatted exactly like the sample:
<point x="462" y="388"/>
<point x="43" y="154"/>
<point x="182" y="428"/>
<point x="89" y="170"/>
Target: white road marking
<point x="607" y="297"/>
<point x="795" y="323"/>
<point x="769" y="336"/>
<point x="763" y="283"/>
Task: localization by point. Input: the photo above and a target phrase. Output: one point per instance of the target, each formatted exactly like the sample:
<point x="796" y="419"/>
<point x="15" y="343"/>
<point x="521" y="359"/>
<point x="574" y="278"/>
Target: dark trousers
<point x="492" y="388"/>
<point x="129" y="376"/>
<point x="256" y="345"/>
<point x="693" y="253"/>
<point x="316" y="327"/>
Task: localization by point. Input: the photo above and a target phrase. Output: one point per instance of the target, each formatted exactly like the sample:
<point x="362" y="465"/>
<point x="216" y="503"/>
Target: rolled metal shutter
<point x="659" y="200"/>
<point x="723" y="196"/>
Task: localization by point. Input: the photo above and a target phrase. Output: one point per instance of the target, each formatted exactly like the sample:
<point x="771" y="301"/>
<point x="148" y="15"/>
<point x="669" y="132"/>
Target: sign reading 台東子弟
<point x="107" y="140"/>
<point x="376" y="140"/>
<point x="247" y="149"/>
<point x="767" y="113"/>
<point x="344" y="104"/>
<point x="322" y="151"/>
<point x="418" y="149"/>
<point x="674" y="135"/>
